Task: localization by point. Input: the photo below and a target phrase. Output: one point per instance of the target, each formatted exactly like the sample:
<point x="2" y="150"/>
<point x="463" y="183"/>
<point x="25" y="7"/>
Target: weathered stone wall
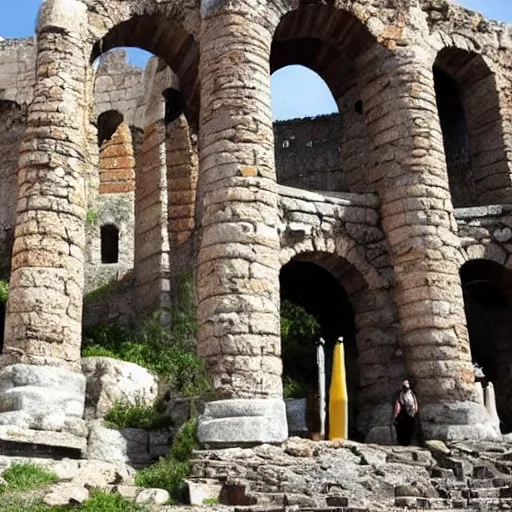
<point x="308" y="153"/>
<point x="342" y="233"/>
<point x="397" y="252"/>
<point x="12" y="127"/>
<point x="17" y="70"/>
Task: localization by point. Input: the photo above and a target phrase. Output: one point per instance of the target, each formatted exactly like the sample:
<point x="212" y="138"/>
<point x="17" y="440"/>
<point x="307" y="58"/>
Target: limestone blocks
<point x="243" y="422"/>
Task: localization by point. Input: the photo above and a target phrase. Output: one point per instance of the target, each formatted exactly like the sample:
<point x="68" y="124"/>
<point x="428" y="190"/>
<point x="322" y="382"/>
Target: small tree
<point x="299" y="333"/>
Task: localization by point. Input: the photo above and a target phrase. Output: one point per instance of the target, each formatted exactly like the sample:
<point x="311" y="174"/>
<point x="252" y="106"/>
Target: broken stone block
<point x="110" y="381"/>
<point x="66" y="494"/>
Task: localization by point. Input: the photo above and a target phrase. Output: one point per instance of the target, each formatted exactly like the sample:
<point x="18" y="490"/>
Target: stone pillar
<point x="151" y="232"/>
<point x="41" y="385"/>
<point x="400" y="109"/>
<point x="238" y="268"/>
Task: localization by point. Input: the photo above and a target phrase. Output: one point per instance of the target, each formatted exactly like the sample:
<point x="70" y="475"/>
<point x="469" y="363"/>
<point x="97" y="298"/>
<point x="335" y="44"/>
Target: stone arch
<point x="468" y="104"/>
<point x="375" y="350"/>
<point x="163" y="34"/>
<point x="487" y="289"/>
<point x="332" y="41"/>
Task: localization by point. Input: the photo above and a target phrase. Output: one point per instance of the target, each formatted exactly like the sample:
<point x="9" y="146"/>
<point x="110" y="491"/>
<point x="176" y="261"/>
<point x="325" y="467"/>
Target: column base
<point x="457" y="421"/>
<point x="43" y="398"/>
<point x="243" y="422"/>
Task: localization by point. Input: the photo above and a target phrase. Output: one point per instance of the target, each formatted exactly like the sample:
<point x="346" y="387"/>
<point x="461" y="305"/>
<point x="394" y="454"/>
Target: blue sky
<point x="296" y="91"/>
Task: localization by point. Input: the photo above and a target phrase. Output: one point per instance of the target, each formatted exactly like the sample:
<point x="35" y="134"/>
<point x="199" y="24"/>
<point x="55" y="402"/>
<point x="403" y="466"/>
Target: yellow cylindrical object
<point x="338" y="396"/>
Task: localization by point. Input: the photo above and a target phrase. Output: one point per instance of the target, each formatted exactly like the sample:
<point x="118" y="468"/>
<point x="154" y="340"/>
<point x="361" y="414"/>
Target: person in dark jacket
<point x="405" y="409"/>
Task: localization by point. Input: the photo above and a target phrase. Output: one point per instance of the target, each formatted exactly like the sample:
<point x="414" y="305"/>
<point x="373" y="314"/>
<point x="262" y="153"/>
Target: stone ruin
<point x="393" y="218"/>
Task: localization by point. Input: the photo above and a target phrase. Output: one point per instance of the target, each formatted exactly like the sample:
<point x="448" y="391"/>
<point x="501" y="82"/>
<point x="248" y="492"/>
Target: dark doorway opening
<point x="315" y="289"/>
<point x="109" y="244"/>
<point x="487" y="288"/>
<point x="455" y="138"/>
<point x="108" y="123"/>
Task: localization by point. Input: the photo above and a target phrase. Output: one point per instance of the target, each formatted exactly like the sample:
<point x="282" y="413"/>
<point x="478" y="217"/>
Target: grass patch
<point x="128" y="416"/>
<point x="169" y="473"/>
<point x="25" y="477"/>
<point x="30" y="507"/>
<point x="104" y="502"/>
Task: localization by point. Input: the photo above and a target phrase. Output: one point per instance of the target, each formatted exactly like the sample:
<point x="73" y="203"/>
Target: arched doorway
<point x="487" y="288"/>
<point x="314" y="289"/>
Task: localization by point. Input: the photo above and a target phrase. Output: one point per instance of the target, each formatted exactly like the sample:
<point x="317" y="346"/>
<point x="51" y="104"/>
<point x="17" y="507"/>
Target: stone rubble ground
<point x="311" y="477"/>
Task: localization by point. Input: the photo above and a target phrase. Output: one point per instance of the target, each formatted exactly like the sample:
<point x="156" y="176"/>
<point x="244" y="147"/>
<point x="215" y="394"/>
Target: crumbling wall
<point x="308" y="153"/>
<point x="17" y="70"/>
<point x="12" y="128"/>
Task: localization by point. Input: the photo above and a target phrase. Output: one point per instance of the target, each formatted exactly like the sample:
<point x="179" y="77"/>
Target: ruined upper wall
<point x="17" y="70"/>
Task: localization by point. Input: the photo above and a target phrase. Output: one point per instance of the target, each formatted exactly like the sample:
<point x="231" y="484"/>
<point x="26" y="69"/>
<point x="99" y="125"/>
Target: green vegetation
<point x="169" y="473"/>
<point x="19" y="506"/>
<point x="101" y="292"/>
<point x="210" y="501"/>
<point x="25" y="477"/>
<point x="168" y="352"/>
<point x="299" y="333"/>
<point x="4" y="291"/>
<point x="98" y="502"/>
<point x="104" y="502"/>
<point x="293" y="388"/>
<point x="128" y="416"/>
<point x="91" y="217"/>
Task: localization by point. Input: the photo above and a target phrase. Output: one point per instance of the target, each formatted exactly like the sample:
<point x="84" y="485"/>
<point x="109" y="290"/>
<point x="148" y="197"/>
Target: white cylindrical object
<point x="320" y="360"/>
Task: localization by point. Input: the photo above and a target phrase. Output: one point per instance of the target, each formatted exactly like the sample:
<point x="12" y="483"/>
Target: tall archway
<point x="162" y="95"/>
<point x="469" y="112"/>
<point x="315" y="289"/>
<point x="487" y="288"/>
<point x="338" y="296"/>
<point x="330" y="153"/>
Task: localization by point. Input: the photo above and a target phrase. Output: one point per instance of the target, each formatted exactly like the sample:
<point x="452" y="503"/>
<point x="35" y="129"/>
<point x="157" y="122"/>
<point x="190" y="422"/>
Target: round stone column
<point x="41" y="385"/>
<point x="238" y="267"/>
<point x="400" y="109"/>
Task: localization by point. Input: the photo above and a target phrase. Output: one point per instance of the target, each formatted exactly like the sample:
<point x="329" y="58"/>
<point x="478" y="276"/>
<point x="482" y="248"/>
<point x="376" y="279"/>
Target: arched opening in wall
<point x="170" y="60"/>
<point x="116" y="154"/>
<point x="469" y="114"/>
<point x="109" y="244"/>
<point x="487" y="288"/>
<point x="316" y="292"/>
<point x="325" y="153"/>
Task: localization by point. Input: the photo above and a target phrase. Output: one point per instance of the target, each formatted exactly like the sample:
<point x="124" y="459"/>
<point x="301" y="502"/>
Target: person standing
<point x="405" y="409"/>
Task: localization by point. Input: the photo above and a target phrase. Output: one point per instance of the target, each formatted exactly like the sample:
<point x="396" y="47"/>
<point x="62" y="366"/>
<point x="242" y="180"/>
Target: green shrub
<point x="127" y="416"/>
<point x="104" y="502"/>
<point x="185" y="441"/>
<point x="98" y="351"/>
<point x="26" y="476"/>
<point x="166" y="474"/>
<point x="168" y="352"/>
<point x="299" y="333"/>
<point x="293" y="388"/>
<point x="169" y="473"/>
<point x="4" y="291"/>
